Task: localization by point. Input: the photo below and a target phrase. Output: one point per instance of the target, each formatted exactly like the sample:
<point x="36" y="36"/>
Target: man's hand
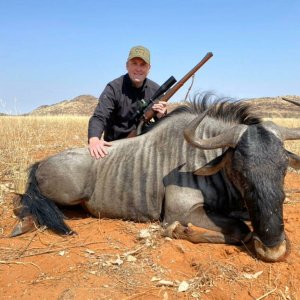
<point x="160" y="108"/>
<point x="97" y="147"/>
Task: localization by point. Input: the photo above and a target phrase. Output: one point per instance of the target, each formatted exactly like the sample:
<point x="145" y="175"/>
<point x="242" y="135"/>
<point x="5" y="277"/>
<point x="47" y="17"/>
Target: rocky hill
<point x="276" y="107"/>
<point x="84" y="105"/>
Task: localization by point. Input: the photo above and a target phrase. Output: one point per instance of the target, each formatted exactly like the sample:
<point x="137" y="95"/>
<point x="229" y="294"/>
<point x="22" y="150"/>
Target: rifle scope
<point x="143" y="104"/>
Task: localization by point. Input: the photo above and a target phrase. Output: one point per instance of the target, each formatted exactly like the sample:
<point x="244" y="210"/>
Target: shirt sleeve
<point x="102" y="113"/>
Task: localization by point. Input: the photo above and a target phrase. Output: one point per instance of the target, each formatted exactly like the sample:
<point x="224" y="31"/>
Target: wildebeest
<point x="207" y="163"/>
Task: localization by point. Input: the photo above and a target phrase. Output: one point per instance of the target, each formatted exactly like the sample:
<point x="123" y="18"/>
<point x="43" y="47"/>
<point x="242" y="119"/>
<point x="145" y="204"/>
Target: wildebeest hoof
<point x="28" y="223"/>
<point x="171" y="230"/>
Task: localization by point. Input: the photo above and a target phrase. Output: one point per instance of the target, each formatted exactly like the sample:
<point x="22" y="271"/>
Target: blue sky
<point x="56" y="50"/>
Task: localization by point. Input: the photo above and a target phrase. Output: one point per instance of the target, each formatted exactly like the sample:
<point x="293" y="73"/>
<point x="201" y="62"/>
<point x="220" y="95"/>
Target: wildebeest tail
<point x="43" y="210"/>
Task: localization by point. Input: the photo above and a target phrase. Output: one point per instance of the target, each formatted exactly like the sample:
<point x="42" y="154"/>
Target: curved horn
<point x="283" y="133"/>
<point x="287" y="133"/>
<point x="228" y="138"/>
<point x="290" y="133"/>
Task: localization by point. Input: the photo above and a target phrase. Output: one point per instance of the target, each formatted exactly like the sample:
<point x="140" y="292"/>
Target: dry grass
<point x="26" y="139"/>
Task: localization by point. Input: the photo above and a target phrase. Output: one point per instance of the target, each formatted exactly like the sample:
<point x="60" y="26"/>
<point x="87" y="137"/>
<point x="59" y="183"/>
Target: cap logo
<point x="141" y="52"/>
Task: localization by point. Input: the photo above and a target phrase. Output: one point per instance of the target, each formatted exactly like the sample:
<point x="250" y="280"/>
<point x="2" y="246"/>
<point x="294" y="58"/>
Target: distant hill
<point x="84" y="105"/>
<point x="276" y="107"/>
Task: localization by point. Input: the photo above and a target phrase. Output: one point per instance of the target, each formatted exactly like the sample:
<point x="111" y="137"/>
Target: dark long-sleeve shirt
<point x="117" y="104"/>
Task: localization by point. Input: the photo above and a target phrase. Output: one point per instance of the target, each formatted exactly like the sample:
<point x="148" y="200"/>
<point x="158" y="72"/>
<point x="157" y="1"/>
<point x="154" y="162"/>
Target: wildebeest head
<point x="256" y="162"/>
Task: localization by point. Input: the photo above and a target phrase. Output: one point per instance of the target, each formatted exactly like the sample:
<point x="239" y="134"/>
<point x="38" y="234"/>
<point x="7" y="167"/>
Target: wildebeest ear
<point x="294" y="160"/>
<point x="215" y="165"/>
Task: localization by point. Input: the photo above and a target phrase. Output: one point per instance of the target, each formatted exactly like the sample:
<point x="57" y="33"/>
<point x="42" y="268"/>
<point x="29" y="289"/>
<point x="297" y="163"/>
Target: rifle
<point x="147" y="113"/>
<point x="144" y="104"/>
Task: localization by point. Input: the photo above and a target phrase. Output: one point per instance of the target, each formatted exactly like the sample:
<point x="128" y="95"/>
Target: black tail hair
<point x="41" y="208"/>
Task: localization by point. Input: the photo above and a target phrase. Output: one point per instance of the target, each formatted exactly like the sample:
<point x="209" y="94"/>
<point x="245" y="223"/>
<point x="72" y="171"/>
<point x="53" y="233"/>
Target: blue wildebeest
<point x="206" y="164"/>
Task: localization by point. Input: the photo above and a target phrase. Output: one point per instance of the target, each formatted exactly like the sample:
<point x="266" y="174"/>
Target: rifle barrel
<point x="185" y="78"/>
<point x="149" y="114"/>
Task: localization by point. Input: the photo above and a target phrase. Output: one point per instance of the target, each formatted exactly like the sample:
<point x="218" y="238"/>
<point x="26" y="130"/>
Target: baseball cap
<point x="141" y="52"/>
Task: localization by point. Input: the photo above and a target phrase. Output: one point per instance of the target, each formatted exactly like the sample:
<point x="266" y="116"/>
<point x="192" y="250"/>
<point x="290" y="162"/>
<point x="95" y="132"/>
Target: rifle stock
<point x="149" y="113"/>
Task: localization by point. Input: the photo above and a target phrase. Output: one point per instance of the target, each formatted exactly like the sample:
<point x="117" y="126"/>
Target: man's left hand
<point x="160" y="108"/>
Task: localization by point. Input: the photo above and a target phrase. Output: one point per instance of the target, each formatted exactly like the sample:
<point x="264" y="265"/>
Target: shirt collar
<point x="128" y="81"/>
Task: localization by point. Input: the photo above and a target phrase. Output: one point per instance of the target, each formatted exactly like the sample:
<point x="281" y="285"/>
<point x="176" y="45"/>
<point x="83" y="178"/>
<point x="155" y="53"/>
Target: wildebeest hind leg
<point x="26" y="221"/>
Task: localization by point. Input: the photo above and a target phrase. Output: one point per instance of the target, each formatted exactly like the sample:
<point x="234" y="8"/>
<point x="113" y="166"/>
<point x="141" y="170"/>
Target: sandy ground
<point x="113" y="259"/>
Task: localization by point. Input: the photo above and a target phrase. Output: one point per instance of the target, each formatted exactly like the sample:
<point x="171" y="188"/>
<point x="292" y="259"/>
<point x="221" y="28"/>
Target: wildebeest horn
<point x="290" y="133"/>
<point x="283" y="133"/>
<point x="228" y="138"/>
<point x="291" y="101"/>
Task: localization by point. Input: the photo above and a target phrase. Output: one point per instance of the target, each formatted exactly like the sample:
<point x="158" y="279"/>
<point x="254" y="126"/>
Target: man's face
<point x="138" y="70"/>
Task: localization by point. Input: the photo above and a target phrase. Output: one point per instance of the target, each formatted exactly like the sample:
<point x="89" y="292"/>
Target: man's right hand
<point x="97" y="147"/>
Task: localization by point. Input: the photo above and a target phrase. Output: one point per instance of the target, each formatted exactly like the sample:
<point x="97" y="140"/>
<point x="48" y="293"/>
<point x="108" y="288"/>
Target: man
<point x="118" y="103"/>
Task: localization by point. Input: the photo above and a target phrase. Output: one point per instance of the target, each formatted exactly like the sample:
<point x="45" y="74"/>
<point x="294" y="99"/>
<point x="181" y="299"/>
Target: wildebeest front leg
<point x="196" y="234"/>
<point x="186" y="206"/>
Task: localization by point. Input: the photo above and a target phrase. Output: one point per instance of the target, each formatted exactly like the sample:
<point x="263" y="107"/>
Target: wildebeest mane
<point x="227" y="109"/>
